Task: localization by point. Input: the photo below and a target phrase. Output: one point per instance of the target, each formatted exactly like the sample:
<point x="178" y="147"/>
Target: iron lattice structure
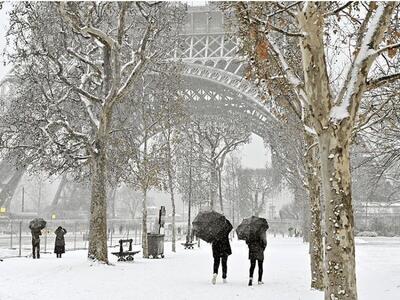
<point x="213" y="84"/>
<point x="213" y="72"/>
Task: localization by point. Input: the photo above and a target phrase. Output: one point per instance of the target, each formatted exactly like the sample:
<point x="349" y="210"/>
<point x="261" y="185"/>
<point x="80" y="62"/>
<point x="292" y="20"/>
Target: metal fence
<point x="16" y="239"/>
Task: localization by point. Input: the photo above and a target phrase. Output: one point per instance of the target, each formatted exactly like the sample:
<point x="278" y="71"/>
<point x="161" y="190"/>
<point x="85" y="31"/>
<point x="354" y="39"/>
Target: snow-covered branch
<point x="358" y="71"/>
<point x="291" y="77"/>
<point x="381" y="81"/>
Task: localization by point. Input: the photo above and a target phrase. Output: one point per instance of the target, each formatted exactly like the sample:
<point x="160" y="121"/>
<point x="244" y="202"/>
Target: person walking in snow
<point x="36" y="233"/>
<point x="257" y="245"/>
<point x="59" y="247"/>
<point x="221" y="249"/>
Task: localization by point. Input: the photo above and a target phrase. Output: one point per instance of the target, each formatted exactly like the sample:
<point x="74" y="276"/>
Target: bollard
<point x="20" y="239"/>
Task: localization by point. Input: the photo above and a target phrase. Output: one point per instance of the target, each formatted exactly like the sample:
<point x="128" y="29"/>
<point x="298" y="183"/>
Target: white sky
<point x="254" y="155"/>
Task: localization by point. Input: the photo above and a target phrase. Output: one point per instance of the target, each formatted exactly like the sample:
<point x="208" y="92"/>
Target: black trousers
<point x="260" y="268"/>
<point x="36" y="249"/>
<point x="223" y="260"/>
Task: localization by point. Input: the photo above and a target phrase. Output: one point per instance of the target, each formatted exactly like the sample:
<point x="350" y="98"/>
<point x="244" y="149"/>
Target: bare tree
<point x="78" y="61"/>
<point x="254" y="186"/>
<point x="329" y="109"/>
<point x="214" y="140"/>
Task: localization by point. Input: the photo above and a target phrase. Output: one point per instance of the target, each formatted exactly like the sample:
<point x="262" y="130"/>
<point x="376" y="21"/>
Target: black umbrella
<point x="211" y="226"/>
<point x="37" y="224"/>
<point x="251" y="227"/>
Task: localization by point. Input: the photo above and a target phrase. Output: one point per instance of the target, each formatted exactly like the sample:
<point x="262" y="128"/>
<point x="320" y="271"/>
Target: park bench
<point x="125" y="255"/>
<point x="189" y="245"/>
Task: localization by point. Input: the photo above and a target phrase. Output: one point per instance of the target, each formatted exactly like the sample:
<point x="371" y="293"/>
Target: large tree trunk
<point x="314" y="193"/>
<point x="98" y="208"/>
<point x="339" y="221"/>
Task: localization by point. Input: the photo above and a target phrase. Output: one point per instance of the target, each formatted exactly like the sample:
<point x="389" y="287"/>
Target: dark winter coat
<point x="221" y="247"/>
<point x="257" y="246"/>
<point x="36" y="233"/>
<point x="60" y="241"/>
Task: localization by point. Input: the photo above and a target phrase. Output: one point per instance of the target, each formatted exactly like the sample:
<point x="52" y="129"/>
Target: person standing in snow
<point x="36" y="233"/>
<point x="221" y="249"/>
<point x="59" y="247"/>
<point x="257" y="245"/>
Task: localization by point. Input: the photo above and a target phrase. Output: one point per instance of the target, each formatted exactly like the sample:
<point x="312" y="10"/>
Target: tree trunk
<point x="145" y="246"/>
<point x="314" y="193"/>
<point x="220" y="190"/>
<point x="213" y="185"/>
<point x="339" y="220"/>
<point x="98" y="208"/>
<point x="306" y="217"/>
<point x="171" y="190"/>
<point x="188" y="236"/>
<point x="255" y="204"/>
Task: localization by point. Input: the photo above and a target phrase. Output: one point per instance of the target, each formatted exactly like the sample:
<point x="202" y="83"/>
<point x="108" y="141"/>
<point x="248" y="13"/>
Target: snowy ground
<point x="187" y="275"/>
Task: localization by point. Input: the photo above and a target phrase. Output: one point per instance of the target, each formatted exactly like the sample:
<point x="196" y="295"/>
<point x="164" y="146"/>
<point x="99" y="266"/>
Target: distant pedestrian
<point x="221" y="249"/>
<point x="257" y="245"/>
<point x="36" y="233"/>
<point x="59" y="247"/>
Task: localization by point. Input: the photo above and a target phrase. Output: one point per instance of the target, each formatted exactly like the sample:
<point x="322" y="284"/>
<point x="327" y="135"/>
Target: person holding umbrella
<point x="59" y="247"/>
<point x="36" y="226"/>
<point x="221" y="249"/>
<point x="253" y="231"/>
<point x="214" y="228"/>
<point x="257" y="245"/>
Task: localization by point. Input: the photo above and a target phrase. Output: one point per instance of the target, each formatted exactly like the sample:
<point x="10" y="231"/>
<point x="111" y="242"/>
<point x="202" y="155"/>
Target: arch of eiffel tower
<point x="213" y="85"/>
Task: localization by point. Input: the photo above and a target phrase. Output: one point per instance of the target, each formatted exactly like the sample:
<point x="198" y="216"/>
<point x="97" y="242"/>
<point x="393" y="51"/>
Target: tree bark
<point x="339" y="220"/>
<point x="314" y="194"/>
<point x="98" y="208"/>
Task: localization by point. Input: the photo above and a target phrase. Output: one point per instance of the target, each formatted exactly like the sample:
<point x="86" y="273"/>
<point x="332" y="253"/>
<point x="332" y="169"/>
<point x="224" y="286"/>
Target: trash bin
<point x="156" y="245"/>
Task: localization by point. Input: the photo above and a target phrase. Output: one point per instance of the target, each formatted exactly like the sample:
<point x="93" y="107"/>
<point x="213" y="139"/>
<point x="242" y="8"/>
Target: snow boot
<point x="214" y="278"/>
<point x="224" y="280"/>
<point x="260" y="282"/>
<point x="250" y="281"/>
